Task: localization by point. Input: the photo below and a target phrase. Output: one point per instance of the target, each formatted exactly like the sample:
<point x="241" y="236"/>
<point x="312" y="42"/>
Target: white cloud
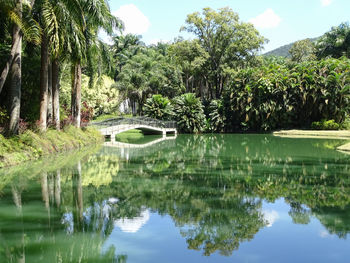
<point x="268" y="19"/>
<point x="271" y="216"/>
<point x="326" y="2"/>
<point x="324" y="234"/>
<point x="134" y="20"/>
<point x="132" y="225"/>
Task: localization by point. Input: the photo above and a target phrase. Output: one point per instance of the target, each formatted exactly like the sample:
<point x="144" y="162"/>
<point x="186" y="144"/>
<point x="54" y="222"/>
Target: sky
<point x="280" y="21"/>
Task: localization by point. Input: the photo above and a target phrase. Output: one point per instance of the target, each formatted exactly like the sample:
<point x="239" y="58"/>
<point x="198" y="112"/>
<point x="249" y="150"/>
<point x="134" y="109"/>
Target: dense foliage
<point x="215" y="82"/>
<point x="158" y="107"/>
<point x="189" y="114"/>
<point x="278" y="96"/>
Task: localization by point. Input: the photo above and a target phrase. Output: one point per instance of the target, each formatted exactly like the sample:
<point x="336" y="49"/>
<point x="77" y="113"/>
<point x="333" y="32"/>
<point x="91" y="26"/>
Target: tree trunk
<point x="76" y="94"/>
<point x="78" y="207"/>
<point x="45" y="190"/>
<point x="58" y="188"/>
<point x="49" y="95"/>
<point x="55" y="94"/>
<point x="14" y="48"/>
<point x="16" y="78"/>
<point x="5" y="71"/>
<point x="43" y="84"/>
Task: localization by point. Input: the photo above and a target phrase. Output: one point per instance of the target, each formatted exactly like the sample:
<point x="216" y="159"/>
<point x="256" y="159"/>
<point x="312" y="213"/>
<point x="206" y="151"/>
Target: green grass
<point x="129" y="136"/>
<point x="30" y="145"/>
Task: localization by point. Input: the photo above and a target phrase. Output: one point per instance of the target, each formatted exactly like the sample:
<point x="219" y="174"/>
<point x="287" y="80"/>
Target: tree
<point x="191" y="56"/>
<point x="54" y="16"/>
<point x="96" y="15"/>
<point x="303" y="50"/>
<point x="19" y="14"/>
<point x="147" y="73"/>
<point x="124" y="48"/>
<point x="335" y="43"/>
<point x="229" y="43"/>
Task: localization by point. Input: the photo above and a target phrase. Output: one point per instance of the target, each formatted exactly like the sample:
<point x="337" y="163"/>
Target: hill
<point x="283" y="51"/>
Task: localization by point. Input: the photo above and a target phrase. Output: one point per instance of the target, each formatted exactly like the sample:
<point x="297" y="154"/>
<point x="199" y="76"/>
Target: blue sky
<point x="280" y="21"/>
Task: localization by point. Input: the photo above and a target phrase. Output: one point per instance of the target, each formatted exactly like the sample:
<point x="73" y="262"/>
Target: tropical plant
<point x="146" y="73"/>
<point x="217" y="118"/>
<point x="284" y="96"/>
<point x="325" y="125"/>
<point x="189" y="114"/>
<point x="158" y="107"/>
<point x="19" y="17"/>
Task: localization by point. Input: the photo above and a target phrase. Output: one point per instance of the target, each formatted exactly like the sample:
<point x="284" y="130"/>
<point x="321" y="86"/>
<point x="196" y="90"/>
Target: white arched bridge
<point x="112" y="127"/>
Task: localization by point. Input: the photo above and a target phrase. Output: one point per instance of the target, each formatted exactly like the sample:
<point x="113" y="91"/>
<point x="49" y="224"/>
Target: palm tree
<point x="19" y="13"/>
<point x="96" y="15"/>
<point x="54" y="16"/>
<point x="124" y="48"/>
<point x="70" y="26"/>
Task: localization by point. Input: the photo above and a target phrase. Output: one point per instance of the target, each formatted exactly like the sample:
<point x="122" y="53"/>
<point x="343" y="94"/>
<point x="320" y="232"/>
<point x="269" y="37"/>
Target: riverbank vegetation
<point x="63" y="74"/>
<point x="30" y="145"/>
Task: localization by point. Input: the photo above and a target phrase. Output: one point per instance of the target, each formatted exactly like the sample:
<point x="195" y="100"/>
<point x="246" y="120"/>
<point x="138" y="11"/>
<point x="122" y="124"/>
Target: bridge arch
<point x="112" y="127"/>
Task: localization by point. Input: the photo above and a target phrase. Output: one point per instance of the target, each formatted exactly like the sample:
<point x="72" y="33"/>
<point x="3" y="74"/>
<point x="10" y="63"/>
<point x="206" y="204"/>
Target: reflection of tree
<point x="39" y="235"/>
<point x="212" y="186"/>
<point x="335" y="219"/>
<point x="307" y="174"/>
<point x="225" y="227"/>
<point x="77" y="199"/>
<point x="299" y="214"/>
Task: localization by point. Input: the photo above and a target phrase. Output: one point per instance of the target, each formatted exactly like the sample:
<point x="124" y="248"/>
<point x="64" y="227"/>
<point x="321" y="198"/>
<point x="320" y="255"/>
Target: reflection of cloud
<point x="324" y="234"/>
<point x="271" y="216"/>
<point x="268" y="19"/>
<point x="134" y="20"/>
<point x="134" y="224"/>
<point x="326" y="2"/>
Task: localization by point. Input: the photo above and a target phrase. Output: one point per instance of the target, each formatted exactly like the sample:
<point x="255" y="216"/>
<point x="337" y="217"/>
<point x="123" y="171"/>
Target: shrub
<point x="189" y="114"/>
<point x="158" y="107"/>
<point x="325" y="125"/>
<point x="217" y="118"/>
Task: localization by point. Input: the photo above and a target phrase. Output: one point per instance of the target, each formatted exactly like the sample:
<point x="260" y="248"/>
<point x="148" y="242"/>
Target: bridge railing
<point x="137" y="120"/>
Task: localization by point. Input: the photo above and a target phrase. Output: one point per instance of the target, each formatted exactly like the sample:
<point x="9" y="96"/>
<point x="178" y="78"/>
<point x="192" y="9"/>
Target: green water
<point x="208" y="198"/>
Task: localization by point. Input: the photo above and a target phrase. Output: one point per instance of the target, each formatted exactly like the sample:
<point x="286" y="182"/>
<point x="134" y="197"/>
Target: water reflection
<point x="213" y="187"/>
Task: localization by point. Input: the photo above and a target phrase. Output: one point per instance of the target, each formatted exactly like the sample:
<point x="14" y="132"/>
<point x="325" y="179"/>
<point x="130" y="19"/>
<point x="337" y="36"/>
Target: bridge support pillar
<point x="164" y="133"/>
<point x="112" y="137"/>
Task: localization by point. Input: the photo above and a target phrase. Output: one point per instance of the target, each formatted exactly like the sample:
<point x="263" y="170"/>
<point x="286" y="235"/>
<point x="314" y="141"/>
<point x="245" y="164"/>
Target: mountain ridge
<point x="283" y="51"/>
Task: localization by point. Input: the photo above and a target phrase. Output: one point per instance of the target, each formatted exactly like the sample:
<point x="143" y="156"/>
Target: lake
<point x="193" y="198"/>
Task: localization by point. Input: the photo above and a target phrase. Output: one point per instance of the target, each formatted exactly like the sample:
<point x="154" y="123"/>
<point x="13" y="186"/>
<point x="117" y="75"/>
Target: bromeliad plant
<point x="158" y="107"/>
<point x="189" y="114"/>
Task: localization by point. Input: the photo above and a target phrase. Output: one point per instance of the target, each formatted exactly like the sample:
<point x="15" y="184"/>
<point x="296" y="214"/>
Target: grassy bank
<point x="30" y="145"/>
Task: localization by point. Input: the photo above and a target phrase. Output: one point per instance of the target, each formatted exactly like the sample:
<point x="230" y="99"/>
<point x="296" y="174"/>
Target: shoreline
<point x="318" y="134"/>
<point x="31" y="146"/>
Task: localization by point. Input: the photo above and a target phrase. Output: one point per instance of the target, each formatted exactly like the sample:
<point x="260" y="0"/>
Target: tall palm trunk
<point x="5" y="71"/>
<point x="16" y="77"/>
<point x="58" y="188"/>
<point x="49" y="94"/>
<point x="76" y="94"/>
<point x="44" y="84"/>
<point x="78" y="207"/>
<point x="55" y="94"/>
